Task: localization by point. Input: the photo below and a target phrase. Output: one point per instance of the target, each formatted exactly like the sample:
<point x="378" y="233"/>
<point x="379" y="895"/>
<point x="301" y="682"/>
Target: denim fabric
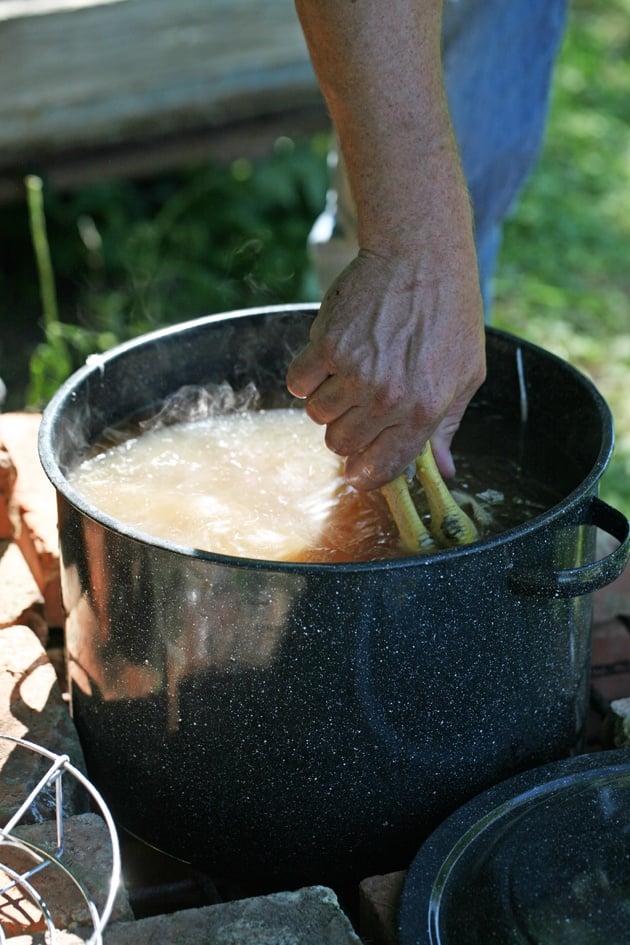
<point x="498" y="57"/>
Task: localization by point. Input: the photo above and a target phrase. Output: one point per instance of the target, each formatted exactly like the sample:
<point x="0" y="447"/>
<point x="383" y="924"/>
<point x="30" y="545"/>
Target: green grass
<point x="564" y="275"/>
<point x="132" y="256"/>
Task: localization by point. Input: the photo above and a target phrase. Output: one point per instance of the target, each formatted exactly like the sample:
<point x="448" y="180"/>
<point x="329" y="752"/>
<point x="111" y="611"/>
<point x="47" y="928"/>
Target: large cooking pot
<point x="297" y="723"/>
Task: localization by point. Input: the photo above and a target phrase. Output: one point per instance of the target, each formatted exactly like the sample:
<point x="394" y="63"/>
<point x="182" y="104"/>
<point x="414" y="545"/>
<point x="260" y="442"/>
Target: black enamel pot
<point x="314" y="722"/>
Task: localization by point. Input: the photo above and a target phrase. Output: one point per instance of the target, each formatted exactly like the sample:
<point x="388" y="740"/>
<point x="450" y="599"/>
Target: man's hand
<point x="395" y="354"/>
<point x="396" y="351"/>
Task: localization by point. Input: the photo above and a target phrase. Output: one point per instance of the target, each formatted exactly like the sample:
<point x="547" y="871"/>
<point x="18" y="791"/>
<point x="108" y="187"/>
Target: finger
<point x="306" y="372"/>
<point x="352" y="432"/>
<point x="386" y="457"/>
<point x="332" y="399"/>
<point x="319" y="411"/>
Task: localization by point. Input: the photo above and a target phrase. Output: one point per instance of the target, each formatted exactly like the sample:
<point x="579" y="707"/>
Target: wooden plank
<point x="88" y="74"/>
<point x="147" y="157"/>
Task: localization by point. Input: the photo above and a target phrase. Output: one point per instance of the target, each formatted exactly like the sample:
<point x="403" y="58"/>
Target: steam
<point x="192" y="403"/>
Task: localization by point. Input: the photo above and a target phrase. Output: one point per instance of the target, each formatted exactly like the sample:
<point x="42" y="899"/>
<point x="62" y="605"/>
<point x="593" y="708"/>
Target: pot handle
<point x="572" y="582"/>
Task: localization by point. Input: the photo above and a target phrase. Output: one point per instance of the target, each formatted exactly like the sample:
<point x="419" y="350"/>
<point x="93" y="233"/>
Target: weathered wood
<point x="89" y="74"/>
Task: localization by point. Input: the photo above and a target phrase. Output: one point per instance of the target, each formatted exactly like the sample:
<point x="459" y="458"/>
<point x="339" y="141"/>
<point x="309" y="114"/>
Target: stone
<point x="32" y="708"/>
<point x="309" y="916"/>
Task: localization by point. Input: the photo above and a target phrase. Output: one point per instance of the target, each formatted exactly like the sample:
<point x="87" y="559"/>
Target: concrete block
<point x="32" y="708"/>
<point x="310" y="916"/>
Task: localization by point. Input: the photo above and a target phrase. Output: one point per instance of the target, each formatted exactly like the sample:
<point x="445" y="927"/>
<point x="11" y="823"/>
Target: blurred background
<point x="170" y="206"/>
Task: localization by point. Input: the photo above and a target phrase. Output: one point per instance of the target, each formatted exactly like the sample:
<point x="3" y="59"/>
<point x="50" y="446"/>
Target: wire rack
<point x="24" y="881"/>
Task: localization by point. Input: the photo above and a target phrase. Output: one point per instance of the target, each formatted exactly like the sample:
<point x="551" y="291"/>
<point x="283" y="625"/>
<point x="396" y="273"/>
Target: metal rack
<point x="40" y="859"/>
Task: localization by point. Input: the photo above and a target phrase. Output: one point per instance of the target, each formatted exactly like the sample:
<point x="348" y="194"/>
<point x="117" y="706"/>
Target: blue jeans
<point x="498" y="58"/>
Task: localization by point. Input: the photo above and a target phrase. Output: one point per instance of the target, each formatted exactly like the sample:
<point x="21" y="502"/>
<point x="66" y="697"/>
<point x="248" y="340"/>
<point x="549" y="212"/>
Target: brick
<point x="86" y="856"/>
<point x="614" y="600"/>
<point x="613" y="687"/>
<point x="610" y="643"/>
<point x="379" y="898"/>
<point x="32" y="708"/>
<point x="17" y="911"/>
<point x="61" y="938"/>
<point x="34" y="499"/>
<point x="610" y="656"/>
<point x="8" y="475"/>
<point x="20" y="599"/>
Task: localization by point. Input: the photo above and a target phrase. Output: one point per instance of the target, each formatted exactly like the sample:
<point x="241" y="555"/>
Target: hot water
<point x="262" y="484"/>
<point x="259" y="484"/>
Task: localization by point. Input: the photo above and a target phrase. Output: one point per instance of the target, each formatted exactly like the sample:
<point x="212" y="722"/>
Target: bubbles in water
<point x="209" y="471"/>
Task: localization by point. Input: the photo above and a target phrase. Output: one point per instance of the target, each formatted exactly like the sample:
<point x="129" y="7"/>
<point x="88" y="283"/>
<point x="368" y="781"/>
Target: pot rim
<point x="568" y="506"/>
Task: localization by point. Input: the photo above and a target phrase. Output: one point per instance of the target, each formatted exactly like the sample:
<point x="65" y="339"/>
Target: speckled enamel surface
<point x="541" y="857"/>
<point x="313" y="723"/>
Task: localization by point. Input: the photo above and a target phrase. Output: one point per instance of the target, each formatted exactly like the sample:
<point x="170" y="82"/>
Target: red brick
<point x="613" y="600"/>
<point x="611" y="687"/>
<point x="34" y="501"/>
<point x="20" y="599"/>
<point x="610" y="643"/>
<point x="8" y="475"/>
<point x="610" y="658"/>
<point x="61" y="938"/>
<point x="379" y="898"/>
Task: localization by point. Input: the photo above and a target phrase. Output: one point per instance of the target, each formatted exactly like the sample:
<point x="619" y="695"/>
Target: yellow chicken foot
<point x="449" y="524"/>
<point x="413" y="533"/>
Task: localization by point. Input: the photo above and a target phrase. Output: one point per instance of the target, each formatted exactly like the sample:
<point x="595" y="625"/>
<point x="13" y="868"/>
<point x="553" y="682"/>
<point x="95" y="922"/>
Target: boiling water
<point x="262" y="484"/>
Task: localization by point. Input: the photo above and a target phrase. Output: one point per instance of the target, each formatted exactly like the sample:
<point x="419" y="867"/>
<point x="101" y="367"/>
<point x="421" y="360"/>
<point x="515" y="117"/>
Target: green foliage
<point x="208" y="239"/>
<point x="564" y="277"/>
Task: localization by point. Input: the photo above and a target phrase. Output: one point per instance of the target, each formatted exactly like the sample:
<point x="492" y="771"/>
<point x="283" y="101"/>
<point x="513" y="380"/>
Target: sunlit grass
<point x="564" y="277"/>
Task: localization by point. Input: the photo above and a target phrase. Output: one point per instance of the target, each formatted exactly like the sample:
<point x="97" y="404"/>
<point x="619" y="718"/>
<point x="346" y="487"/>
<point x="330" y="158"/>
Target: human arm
<point x="397" y="349"/>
